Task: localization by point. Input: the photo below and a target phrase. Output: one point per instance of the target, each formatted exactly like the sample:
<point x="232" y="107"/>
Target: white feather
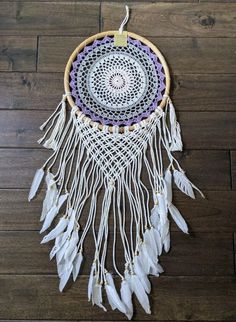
<point x="70" y="259"/>
<point x="49" y="218"/>
<point x="150" y="241"/>
<point x="72" y="244"/>
<point x="162" y="207"/>
<point x="39" y="174"/>
<point x="111" y="283"/>
<point x="178" y="218"/>
<point x="166" y="243"/>
<point x="97" y="295"/>
<point x="61" y="252"/>
<point x="59" y="242"/>
<point x="77" y="265"/>
<point x="157" y="238"/>
<point x="60" y="227"/>
<point x="126" y="297"/>
<point x="176" y="142"/>
<point x="65" y="277"/>
<point x="71" y="224"/>
<point x="140" y="293"/>
<point x="114" y="299"/>
<point x="51" y="195"/>
<point x="155" y="218"/>
<point x="91" y="281"/>
<point x="168" y="185"/>
<point x="141" y="274"/>
<point x="183" y="183"/>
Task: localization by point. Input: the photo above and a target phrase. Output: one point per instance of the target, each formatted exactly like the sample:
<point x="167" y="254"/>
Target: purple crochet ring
<point x="124" y="115"/>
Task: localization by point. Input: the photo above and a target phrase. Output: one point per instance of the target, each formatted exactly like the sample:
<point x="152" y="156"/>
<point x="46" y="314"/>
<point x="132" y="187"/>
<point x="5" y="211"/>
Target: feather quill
<point x="38" y="177"/>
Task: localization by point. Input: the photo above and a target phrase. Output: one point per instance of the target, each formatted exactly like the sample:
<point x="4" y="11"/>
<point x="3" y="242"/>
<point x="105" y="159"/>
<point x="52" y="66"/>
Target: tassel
<point x="178" y="218"/>
<point x="53" y="140"/>
<point x="126" y="297"/>
<point x="176" y="141"/>
<point x="77" y="264"/>
<point x="60" y="227"/>
<point x="38" y="177"/>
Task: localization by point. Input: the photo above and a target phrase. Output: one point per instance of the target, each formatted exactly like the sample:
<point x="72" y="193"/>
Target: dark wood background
<point x="198" y="40"/>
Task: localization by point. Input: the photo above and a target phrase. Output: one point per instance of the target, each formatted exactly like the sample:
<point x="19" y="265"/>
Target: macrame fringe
<point x="144" y="235"/>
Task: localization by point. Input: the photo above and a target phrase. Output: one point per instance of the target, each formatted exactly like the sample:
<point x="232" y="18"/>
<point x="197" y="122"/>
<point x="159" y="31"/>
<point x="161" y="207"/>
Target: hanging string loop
<point x="124" y="22"/>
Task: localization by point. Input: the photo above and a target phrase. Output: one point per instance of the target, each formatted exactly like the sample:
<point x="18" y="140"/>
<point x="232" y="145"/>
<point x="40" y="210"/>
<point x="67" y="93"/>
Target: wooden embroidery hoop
<point x="102" y="35"/>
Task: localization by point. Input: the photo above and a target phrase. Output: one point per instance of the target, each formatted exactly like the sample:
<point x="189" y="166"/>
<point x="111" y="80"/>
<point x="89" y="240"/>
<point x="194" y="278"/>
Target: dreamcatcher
<point x="121" y="122"/>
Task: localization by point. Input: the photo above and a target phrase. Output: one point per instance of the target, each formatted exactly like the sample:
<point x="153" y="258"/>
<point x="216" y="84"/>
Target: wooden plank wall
<point x="198" y="41"/>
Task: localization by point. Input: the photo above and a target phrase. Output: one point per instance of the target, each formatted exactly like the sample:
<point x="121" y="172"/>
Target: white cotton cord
<point x="122" y="231"/>
<point x="64" y="154"/>
<point x="68" y="155"/>
<point x="124" y="22"/>
<point x="72" y="162"/>
<point x="75" y="181"/>
<point x="84" y="187"/>
<point x="94" y="185"/>
<point x="114" y="235"/>
<point x="142" y="188"/>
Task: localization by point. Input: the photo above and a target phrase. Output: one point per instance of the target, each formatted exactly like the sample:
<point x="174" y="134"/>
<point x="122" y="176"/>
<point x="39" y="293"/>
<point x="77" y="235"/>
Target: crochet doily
<point x="117" y="85"/>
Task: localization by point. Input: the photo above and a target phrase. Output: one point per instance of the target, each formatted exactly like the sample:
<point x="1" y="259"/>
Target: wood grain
<point x="187" y="298"/>
<point x="30" y="90"/>
<point x="51" y="18"/>
<point x="184" y="55"/>
<point x="174" y="20"/>
<point x="21" y="164"/>
<point x="204" y="92"/>
<point x="200" y="130"/>
<point x="42" y="91"/>
<point x="18" y="53"/>
<point x="233" y="169"/>
<point x="215" y="214"/>
<point x="23" y="254"/>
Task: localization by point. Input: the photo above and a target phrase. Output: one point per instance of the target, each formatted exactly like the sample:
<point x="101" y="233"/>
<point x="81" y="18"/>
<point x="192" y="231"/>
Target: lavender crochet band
<point x="146" y="111"/>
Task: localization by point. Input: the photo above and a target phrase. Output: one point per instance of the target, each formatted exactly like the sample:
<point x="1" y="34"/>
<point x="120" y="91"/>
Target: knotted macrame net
<point x="115" y="132"/>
